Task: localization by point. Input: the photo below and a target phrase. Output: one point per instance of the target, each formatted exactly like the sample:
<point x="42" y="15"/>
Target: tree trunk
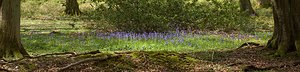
<point x="72" y="7"/>
<point x="10" y="41"/>
<point x="264" y="3"/>
<point x="247" y="7"/>
<point x="286" y="36"/>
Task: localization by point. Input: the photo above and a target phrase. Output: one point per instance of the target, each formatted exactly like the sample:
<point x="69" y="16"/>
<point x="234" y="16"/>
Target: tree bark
<point x="286" y="36"/>
<point x="10" y="41"/>
<point x="246" y="6"/>
<point x="72" y="7"/>
<point x="264" y="3"/>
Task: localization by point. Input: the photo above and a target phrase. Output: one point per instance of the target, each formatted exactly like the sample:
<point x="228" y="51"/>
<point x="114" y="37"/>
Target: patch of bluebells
<point x="180" y="35"/>
<point x="173" y="38"/>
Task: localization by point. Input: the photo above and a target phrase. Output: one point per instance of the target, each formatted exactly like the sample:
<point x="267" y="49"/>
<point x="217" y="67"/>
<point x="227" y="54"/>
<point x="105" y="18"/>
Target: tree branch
<point x="72" y="53"/>
<point x="88" y="60"/>
<point x="91" y="52"/>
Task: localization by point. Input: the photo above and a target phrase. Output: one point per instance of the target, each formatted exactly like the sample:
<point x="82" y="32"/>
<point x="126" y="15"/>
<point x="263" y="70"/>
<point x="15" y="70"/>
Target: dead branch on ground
<point x="91" y="52"/>
<point x="88" y="60"/>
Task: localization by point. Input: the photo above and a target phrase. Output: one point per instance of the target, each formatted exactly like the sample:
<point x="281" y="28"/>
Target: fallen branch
<point x="249" y="44"/>
<point x="88" y="60"/>
<point x="72" y="53"/>
<point x="91" y="52"/>
<point x="123" y="52"/>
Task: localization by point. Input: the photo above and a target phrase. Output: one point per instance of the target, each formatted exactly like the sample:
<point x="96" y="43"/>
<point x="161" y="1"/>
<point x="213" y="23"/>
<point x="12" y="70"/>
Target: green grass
<point x="42" y="17"/>
<point x="37" y="44"/>
<point x="37" y="40"/>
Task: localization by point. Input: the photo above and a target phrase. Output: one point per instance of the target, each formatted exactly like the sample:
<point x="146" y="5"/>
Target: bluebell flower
<point x="172" y="41"/>
<point x="232" y="36"/>
<point x="166" y="42"/>
<point x="189" y="44"/>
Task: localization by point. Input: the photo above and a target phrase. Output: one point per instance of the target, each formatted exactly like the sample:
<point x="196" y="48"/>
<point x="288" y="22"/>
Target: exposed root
<point x="88" y="60"/>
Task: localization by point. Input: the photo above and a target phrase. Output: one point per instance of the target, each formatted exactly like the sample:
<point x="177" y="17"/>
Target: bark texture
<point x="286" y="36"/>
<point x="247" y="7"/>
<point x="72" y="7"/>
<point x="10" y="41"/>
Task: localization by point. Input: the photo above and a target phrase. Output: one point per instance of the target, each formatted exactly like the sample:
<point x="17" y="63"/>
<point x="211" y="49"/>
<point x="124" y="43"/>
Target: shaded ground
<point x="242" y="59"/>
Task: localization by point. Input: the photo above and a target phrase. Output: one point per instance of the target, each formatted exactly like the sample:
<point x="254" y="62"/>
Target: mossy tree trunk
<point x="264" y="3"/>
<point x="246" y="6"/>
<point x="72" y="7"/>
<point x="286" y="36"/>
<point x="10" y="41"/>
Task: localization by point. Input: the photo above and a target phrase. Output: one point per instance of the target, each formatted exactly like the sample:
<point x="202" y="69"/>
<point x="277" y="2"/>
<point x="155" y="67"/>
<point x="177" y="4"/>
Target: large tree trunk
<point x="286" y="37"/>
<point x="10" y="42"/>
<point x="264" y="3"/>
<point x="247" y="7"/>
<point x="72" y="7"/>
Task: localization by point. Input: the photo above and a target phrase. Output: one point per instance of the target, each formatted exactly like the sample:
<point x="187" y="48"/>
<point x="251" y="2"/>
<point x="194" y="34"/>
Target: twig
<point x="88" y="60"/>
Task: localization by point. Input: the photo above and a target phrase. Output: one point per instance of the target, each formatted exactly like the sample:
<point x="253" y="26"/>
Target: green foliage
<point x="165" y="15"/>
<point x="149" y="15"/>
<point x="153" y="15"/>
<point x="43" y="9"/>
<point x="225" y="15"/>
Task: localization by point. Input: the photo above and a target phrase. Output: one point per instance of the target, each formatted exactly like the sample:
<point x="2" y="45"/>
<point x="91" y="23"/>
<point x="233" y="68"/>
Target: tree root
<point x="88" y="60"/>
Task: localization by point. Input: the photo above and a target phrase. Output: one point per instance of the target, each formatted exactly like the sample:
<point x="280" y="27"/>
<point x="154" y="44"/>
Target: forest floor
<point x="240" y="59"/>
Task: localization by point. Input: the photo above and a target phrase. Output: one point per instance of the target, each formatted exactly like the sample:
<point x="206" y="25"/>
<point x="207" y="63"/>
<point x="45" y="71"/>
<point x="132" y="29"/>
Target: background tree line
<point x="158" y="16"/>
